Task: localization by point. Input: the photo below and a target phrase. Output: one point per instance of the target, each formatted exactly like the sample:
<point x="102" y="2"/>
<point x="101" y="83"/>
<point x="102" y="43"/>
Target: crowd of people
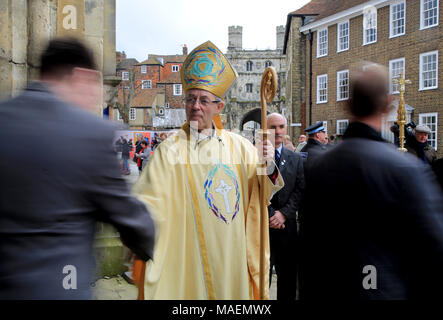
<point x="350" y="217"/>
<point x="142" y="151"/>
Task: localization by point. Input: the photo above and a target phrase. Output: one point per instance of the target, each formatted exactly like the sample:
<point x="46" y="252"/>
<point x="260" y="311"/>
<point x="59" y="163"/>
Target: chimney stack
<point x="185" y="50"/>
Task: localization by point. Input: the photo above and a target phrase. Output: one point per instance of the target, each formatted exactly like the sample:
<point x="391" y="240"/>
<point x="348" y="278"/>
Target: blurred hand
<point x="277" y="221"/>
<point x="266" y="150"/>
<point x="277" y="226"/>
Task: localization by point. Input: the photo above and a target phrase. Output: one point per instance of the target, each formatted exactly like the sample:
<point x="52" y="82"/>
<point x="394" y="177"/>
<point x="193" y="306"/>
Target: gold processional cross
<point x="401" y="115"/>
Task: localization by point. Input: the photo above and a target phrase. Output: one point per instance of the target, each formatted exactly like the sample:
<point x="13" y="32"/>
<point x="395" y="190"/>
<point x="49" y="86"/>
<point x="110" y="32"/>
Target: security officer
<point x="315" y="145"/>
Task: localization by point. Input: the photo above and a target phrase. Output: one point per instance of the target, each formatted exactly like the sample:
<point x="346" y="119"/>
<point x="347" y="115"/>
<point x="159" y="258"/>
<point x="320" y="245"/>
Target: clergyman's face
<point x="201" y="108"/>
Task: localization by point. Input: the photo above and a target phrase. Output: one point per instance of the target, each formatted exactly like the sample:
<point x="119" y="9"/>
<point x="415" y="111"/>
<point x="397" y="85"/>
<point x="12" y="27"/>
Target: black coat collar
<point x="361" y="130"/>
<point x="315" y="142"/>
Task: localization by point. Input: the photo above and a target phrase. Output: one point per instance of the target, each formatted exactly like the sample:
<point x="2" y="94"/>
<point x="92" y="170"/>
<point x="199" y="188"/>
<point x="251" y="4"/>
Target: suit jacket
<point x="59" y="176"/>
<point x="376" y="208"/>
<point x="287" y="199"/>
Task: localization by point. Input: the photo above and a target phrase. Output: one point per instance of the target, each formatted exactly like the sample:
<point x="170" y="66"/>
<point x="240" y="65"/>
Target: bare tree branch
<point x="128" y="96"/>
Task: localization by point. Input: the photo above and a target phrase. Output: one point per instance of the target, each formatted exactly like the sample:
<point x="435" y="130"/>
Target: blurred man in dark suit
<point x="58" y="180"/>
<point x="377" y="233"/>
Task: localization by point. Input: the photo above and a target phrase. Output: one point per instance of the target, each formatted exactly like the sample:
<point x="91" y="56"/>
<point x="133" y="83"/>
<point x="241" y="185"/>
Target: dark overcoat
<point x="370" y="208"/>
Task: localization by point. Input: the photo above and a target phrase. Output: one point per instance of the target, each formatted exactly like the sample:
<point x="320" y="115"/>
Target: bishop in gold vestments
<point x="203" y="189"/>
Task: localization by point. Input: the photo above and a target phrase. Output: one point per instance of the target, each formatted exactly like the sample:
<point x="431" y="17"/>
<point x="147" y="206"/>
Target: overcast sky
<point x="162" y="27"/>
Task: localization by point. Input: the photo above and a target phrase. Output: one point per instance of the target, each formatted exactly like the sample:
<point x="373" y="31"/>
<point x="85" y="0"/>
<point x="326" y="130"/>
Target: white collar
<point x="201" y="136"/>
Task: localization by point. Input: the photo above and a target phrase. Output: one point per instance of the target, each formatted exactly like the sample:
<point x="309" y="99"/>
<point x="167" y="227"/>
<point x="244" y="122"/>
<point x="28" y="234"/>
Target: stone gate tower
<point x="250" y="65"/>
<point x="280" y="37"/>
<point x="235" y="34"/>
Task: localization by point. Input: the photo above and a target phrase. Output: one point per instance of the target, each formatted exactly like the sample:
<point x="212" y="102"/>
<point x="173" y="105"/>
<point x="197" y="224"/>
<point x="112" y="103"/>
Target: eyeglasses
<point x="190" y="101"/>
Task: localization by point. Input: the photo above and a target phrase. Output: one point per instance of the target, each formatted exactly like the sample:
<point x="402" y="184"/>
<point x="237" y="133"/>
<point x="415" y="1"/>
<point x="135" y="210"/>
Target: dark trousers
<point x="284" y="259"/>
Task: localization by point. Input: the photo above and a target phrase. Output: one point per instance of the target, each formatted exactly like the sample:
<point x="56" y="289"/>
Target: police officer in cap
<point x="315" y="145"/>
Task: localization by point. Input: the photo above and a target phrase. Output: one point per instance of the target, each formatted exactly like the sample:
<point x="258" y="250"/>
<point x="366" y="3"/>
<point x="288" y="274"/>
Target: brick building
<point x="158" y="89"/>
<point x="332" y="36"/>
<point x="250" y="65"/>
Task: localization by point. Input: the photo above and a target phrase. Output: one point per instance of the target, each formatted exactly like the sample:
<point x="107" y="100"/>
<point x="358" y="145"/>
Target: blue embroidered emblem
<point x="223" y="188"/>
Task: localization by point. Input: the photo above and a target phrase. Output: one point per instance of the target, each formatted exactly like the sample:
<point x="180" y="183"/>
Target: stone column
<point x="109" y="36"/>
<point x="13" y="42"/>
<point x="5" y="49"/>
<point x="94" y="29"/>
<point x="41" y="28"/>
<point x="100" y="37"/>
<point x="110" y="80"/>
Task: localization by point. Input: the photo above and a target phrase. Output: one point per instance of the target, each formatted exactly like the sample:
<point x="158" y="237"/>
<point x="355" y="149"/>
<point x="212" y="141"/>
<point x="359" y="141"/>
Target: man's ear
<point x="388" y="106"/>
<point x="220" y="106"/>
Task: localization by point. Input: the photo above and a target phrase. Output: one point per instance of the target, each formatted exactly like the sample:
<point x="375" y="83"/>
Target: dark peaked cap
<point x="316" y="127"/>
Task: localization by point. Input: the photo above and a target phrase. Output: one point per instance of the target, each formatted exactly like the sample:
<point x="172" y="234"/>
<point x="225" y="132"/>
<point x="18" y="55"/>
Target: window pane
<point x="341" y="126"/>
<point x="429" y="13"/>
<point x="431" y="122"/>
<point x="396" y="68"/>
<point x="398" y="21"/>
<point x="177" y="89"/>
<point x="370" y="34"/>
<point x="132" y="114"/>
<point x="322" y="49"/>
<point x="322" y="88"/>
<point x="343" y="30"/>
<point x="429" y="71"/>
<point x="343" y="85"/>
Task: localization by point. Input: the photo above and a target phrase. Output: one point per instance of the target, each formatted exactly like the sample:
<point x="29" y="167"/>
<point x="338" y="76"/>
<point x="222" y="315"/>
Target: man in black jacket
<point x="283" y="211"/>
<point x="376" y="231"/>
<point x="419" y="146"/>
<point x="315" y="146"/>
<point x="59" y="181"/>
<point x="126" y="149"/>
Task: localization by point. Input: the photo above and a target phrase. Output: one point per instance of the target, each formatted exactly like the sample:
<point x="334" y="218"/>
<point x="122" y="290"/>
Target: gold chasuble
<point x="203" y="193"/>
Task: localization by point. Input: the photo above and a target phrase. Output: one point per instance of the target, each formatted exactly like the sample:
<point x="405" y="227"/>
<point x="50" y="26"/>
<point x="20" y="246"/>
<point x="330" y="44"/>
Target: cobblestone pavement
<point x="119" y="289"/>
<point x="132" y="178"/>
